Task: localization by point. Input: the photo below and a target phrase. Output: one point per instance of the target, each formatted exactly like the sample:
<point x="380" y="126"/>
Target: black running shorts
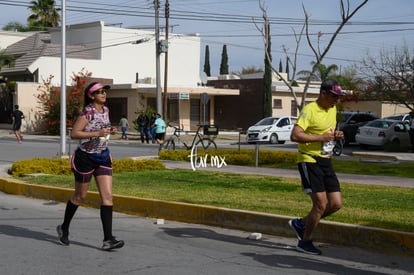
<point x="318" y="177"/>
<point x="84" y="167"/>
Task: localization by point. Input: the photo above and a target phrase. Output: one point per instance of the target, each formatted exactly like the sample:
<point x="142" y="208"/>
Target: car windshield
<point x="267" y="121"/>
<point x="383" y="124"/>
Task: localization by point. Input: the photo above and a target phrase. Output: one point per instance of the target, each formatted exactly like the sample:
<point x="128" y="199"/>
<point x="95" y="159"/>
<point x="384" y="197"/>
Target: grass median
<point x="377" y="206"/>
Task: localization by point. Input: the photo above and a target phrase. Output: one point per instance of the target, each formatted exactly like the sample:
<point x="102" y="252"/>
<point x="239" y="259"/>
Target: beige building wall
<point x="376" y="107"/>
<point x="185" y="114"/>
<point x="288" y="106"/>
<point x="26" y="98"/>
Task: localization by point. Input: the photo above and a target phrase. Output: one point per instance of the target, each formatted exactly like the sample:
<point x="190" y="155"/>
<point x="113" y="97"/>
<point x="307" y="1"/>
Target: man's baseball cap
<point x="337" y="90"/>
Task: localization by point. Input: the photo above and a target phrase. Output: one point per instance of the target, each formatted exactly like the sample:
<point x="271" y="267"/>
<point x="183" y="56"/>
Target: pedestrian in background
<point x="92" y="158"/>
<point x="315" y="134"/>
<point x="412" y="131"/>
<point x="143" y="121"/>
<point x="160" y="128"/>
<point x="17" y="117"/>
<point x="124" y="126"/>
<point x="152" y="126"/>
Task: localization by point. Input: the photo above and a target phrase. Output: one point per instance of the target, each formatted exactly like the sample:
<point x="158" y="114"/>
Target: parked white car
<point x="400" y="117"/>
<point x="271" y="129"/>
<point x="380" y="132"/>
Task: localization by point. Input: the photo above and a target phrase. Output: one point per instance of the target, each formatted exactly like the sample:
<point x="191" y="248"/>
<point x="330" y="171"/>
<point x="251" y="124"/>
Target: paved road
<point x="29" y="246"/>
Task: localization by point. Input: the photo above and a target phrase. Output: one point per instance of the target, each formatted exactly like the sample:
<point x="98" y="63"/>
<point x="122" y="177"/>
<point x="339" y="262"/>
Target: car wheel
<point x="394" y="145"/>
<point x="273" y="139"/>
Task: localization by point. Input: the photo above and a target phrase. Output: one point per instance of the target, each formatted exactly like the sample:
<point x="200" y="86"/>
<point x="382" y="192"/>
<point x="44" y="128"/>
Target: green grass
<point x="378" y="206"/>
<point x="393" y="169"/>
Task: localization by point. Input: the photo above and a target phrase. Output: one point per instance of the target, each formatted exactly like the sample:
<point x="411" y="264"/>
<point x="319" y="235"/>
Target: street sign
<point x="204" y="98"/>
<point x="184" y="96"/>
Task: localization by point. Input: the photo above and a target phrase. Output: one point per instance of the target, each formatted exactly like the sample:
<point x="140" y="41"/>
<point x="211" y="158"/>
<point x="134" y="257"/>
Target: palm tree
<point x="323" y="72"/>
<point x="44" y="14"/>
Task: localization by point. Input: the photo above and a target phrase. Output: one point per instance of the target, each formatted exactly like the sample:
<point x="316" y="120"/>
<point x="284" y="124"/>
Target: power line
<point x="134" y="11"/>
<point x="146" y="10"/>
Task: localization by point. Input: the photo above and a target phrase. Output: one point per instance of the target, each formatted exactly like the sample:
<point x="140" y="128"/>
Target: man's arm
<point x="299" y="135"/>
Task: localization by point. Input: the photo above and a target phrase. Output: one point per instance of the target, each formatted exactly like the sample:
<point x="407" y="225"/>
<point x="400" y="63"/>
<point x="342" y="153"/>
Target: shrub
<point x="49" y="101"/>
<point x="62" y="166"/>
<point x="239" y="159"/>
<point x="130" y="165"/>
<point x="235" y="156"/>
<point x="38" y="165"/>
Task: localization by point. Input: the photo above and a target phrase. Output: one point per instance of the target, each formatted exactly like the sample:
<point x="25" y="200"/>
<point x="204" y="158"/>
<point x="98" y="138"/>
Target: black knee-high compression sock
<point x="69" y="213"/>
<point x="106" y="218"/>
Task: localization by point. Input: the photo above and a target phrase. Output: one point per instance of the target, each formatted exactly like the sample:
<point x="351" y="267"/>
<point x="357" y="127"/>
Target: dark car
<point x="350" y="121"/>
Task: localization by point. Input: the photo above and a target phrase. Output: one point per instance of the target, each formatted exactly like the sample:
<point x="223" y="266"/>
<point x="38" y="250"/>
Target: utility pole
<point x="157" y="56"/>
<point x="167" y="15"/>
<point x="63" y="83"/>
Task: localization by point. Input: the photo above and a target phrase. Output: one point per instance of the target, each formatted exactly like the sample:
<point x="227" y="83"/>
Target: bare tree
<point x="391" y="78"/>
<point x="319" y="52"/>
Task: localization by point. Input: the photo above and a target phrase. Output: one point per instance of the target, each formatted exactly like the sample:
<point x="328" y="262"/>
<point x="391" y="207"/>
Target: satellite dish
<point x="203" y="78"/>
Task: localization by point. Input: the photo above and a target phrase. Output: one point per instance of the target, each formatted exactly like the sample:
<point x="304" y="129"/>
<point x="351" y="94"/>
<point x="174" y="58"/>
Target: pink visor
<point x="98" y="86"/>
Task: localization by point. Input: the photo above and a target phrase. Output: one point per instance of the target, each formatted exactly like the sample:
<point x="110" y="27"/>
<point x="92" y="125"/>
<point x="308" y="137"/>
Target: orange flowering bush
<point x="49" y="101"/>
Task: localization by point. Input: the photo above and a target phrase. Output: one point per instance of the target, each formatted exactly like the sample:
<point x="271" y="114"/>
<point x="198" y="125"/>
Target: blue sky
<point x="379" y="25"/>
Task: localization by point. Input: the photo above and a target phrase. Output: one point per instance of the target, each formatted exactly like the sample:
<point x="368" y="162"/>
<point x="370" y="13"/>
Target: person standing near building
<point x="412" y="131"/>
<point x="17" y="117"/>
<point x="160" y="128"/>
<point x="143" y="121"/>
<point x="152" y="126"/>
<point x="124" y="126"/>
<point x="92" y="158"/>
<point x="315" y="134"/>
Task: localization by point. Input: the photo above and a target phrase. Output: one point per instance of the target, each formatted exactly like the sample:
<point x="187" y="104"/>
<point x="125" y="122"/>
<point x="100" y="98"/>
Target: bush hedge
<point x="234" y="156"/>
<point x="244" y="157"/>
<point x="57" y="166"/>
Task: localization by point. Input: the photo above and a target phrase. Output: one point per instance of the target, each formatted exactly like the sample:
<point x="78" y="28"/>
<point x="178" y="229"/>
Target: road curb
<point x="377" y="157"/>
<point x="375" y="239"/>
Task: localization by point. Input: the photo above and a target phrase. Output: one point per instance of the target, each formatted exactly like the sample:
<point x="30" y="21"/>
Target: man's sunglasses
<point x="101" y="91"/>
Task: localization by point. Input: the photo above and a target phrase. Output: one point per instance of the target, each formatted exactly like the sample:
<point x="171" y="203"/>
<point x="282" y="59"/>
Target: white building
<point x="125" y="58"/>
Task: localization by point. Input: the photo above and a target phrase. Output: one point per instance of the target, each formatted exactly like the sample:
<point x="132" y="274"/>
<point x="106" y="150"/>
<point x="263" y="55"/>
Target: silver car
<point x="271" y="129"/>
<point x="382" y="132"/>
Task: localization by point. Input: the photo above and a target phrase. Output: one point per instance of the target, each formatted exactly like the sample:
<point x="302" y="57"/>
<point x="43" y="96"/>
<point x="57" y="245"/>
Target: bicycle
<point x="200" y="140"/>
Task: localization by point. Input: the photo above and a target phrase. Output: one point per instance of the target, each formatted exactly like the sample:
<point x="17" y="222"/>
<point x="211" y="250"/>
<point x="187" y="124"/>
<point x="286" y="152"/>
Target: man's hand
<point x="339" y="135"/>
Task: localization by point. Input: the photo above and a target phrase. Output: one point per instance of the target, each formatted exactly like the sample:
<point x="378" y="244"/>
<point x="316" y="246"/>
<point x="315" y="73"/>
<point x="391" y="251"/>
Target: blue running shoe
<point x="307" y="247"/>
<point x="298" y="227"/>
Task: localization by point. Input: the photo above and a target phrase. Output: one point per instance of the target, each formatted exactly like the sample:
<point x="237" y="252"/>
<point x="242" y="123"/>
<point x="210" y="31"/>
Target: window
<point x="283" y="122"/>
<point x="277" y="104"/>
